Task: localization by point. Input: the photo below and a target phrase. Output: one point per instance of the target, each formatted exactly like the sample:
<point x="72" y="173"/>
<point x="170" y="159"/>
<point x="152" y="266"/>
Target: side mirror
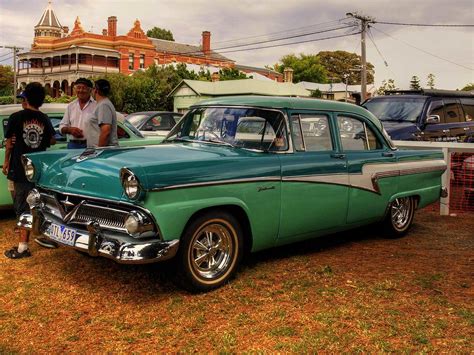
<point x="433" y="119"/>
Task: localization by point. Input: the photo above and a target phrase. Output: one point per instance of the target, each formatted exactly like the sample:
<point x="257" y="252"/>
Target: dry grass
<point x="348" y="292"/>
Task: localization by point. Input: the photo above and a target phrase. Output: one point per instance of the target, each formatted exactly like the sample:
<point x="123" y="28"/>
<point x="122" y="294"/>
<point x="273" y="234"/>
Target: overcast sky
<point x="448" y="53"/>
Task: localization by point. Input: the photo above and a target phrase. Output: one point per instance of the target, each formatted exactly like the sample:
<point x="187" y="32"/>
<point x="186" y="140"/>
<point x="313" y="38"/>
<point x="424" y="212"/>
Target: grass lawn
<point x="349" y="292"/>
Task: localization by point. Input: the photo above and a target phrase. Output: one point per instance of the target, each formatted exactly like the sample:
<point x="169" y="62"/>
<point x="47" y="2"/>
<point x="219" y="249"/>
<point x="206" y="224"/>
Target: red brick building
<point x="58" y="57"/>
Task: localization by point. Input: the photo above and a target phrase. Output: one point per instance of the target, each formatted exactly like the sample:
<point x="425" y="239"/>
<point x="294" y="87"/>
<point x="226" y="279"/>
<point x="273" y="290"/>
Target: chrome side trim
<point x="218" y="182"/>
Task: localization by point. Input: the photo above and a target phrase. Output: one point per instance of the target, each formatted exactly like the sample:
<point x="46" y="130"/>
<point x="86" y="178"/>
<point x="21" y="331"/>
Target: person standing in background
<point x="103" y="130"/>
<point x="77" y="118"/>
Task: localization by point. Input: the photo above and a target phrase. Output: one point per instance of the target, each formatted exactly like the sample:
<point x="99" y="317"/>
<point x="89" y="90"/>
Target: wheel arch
<point x="238" y="212"/>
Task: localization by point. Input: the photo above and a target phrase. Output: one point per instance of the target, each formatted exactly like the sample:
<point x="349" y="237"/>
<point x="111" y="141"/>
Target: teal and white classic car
<point x="236" y="175"/>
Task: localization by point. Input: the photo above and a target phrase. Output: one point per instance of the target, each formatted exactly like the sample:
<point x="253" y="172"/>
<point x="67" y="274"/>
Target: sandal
<point x="14" y="254"/>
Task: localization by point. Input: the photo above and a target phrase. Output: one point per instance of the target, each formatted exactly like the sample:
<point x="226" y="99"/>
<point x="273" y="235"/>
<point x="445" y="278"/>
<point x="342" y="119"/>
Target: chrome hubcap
<point x="400" y="212"/>
<point x="212" y="250"/>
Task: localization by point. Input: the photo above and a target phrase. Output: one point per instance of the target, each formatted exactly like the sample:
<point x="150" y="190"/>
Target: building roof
<point x="248" y="68"/>
<point x="49" y="18"/>
<point x="242" y="87"/>
<point x="162" y="45"/>
<point x="334" y="87"/>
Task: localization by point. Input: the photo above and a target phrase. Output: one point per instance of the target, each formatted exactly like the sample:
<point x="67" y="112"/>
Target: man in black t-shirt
<point x="33" y="132"/>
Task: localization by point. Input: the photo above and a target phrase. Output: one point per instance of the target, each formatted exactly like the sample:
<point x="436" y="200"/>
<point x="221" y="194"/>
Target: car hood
<point x="96" y="172"/>
<point x="395" y="128"/>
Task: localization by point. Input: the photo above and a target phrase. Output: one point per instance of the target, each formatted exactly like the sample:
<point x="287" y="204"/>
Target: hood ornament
<point x="88" y="153"/>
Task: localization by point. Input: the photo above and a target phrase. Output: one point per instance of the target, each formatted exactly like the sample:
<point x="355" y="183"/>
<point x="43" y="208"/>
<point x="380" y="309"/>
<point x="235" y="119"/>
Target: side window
<point x="437" y="108"/>
<point x="468" y="105"/>
<point x="453" y="111"/>
<point x="316" y="133"/>
<point x="356" y="135"/>
<point x="121" y="133"/>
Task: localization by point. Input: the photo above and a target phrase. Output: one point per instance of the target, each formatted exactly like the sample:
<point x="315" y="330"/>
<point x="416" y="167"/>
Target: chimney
<point x="215" y="77"/>
<point x="288" y="75"/>
<point x="104" y="32"/>
<point x="112" y="26"/>
<point x="206" y="42"/>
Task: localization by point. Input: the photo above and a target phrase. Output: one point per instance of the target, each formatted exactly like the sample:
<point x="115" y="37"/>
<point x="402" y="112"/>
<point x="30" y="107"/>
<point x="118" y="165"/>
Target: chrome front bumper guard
<point x="95" y="242"/>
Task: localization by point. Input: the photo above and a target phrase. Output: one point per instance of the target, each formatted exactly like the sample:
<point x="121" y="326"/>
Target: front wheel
<point x="210" y="251"/>
<point x="400" y="216"/>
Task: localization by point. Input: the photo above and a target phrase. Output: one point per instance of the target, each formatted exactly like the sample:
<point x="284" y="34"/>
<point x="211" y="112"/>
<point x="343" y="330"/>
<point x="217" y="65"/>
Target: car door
<point x="456" y="120"/>
<point x="314" y="179"/>
<point x="372" y="168"/>
<point x="435" y="131"/>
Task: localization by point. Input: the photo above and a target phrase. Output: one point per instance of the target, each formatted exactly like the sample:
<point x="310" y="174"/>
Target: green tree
<point x="316" y="93"/>
<point x="231" y="74"/>
<point x="160" y="33"/>
<point x="415" y="83"/>
<point x="387" y="85"/>
<point x="305" y="68"/>
<point x="6" y="80"/>
<point x="468" y="87"/>
<point x="430" y="81"/>
<point x="340" y="63"/>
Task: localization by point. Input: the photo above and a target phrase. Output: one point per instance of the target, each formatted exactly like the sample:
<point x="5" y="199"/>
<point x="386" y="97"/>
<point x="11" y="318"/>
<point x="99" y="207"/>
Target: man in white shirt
<point x="77" y="118"/>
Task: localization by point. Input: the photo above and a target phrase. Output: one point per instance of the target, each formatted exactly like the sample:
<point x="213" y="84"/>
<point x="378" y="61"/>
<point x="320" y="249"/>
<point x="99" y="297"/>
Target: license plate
<point x="62" y="234"/>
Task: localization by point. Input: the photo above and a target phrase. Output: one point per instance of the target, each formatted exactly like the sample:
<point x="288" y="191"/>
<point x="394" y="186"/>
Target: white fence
<point x="447" y="148"/>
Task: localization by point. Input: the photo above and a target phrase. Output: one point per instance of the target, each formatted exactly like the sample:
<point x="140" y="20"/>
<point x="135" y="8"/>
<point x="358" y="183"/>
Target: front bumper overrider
<point x="97" y="242"/>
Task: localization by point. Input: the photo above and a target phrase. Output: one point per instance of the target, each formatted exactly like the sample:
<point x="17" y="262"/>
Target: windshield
<point x="137" y="119"/>
<point x="248" y="128"/>
<point x="396" y="108"/>
<point x="133" y="129"/>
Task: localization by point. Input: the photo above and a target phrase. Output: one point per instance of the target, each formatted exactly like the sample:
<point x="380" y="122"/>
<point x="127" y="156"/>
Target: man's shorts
<point x="22" y="189"/>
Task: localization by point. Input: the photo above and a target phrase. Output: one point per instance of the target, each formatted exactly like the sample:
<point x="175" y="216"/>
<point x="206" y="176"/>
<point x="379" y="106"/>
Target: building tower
<point x="48" y="25"/>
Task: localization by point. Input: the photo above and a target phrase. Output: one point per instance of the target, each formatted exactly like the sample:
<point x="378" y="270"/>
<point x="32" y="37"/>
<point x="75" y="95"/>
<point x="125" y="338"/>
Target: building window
<point x="142" y="61"/>
<point x="130" y="61"/>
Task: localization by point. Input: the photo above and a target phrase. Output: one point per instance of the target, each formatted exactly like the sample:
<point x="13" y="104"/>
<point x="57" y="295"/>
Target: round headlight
<point x="29" y="168"/>
<point x="132" y="223"/>
<point x="130" y="183"/>
<point x="34" y="198"/>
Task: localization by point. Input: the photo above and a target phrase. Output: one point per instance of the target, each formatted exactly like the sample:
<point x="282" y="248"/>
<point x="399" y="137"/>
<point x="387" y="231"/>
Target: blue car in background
<point x="426" y="115"/>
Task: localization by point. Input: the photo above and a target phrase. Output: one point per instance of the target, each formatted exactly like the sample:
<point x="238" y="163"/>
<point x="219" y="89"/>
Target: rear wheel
<point x="210" y="251"/>
<point x="400" y="216"/>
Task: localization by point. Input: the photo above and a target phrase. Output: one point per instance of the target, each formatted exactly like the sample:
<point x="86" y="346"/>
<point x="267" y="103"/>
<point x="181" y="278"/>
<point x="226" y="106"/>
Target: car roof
<point x="292" y="103"/>
<point x="430" y="92"/>
<point x="46" y="108"/>
<point x="150" y="113"/>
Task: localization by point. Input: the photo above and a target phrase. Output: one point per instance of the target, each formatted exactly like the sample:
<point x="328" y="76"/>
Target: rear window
<point x="396" y="108"/>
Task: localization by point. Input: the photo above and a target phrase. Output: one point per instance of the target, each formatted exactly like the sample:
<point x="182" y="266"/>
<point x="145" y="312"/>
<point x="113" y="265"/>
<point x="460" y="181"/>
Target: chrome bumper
<point x="95" y="242"/>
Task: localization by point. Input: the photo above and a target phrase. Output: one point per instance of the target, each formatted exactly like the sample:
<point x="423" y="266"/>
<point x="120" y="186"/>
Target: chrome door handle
<point x="445" y="130"/>
<point x="466" y="128"/>
<point x="338" y="156"/>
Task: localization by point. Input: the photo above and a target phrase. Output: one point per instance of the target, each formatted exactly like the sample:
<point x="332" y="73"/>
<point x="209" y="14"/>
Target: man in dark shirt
<point x="33" y="132"/>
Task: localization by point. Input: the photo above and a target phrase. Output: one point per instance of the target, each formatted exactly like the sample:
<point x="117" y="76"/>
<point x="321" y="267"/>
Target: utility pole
<point x="15" y="51"/>
<point x="364" y="22"/>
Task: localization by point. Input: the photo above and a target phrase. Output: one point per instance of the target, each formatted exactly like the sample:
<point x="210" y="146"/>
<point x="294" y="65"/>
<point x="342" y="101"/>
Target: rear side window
<point x="356" y="135"/>
<point x="468" y="105"/>
<point x="453" y="111"/>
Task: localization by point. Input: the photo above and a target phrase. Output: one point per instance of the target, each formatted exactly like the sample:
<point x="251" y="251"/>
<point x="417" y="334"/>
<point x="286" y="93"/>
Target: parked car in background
<point x="236" y="175"/>
<point x="154" y="123"/>
<point x="431" y="115"/>
<point x="127" y="134"/>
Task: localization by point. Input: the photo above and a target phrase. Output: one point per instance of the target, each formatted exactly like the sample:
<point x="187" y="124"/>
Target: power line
<point x="283" y="38"/>
<point x="371" y="37"/>
<point x="279" y="32"/>
<point x="287" y="44"/>
<point x="4" y="55"/>
<point x="4" y="60"/>
<point x="421" y="24"/>
<point x="422" y="50"/>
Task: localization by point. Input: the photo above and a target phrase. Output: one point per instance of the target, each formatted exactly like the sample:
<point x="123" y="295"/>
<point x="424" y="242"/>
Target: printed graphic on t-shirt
<point x="33" y="133"/>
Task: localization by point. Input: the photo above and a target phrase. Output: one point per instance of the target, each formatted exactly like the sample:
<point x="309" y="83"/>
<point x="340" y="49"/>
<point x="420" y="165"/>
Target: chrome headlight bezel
<point x="29" y="168"/>
<point x="139" y="225"/>
<point x="130" y="183"/>
<point x="34" y="198"/>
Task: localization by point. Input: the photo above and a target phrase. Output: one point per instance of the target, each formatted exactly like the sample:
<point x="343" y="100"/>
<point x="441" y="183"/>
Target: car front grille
<point x="77" y="210"/>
